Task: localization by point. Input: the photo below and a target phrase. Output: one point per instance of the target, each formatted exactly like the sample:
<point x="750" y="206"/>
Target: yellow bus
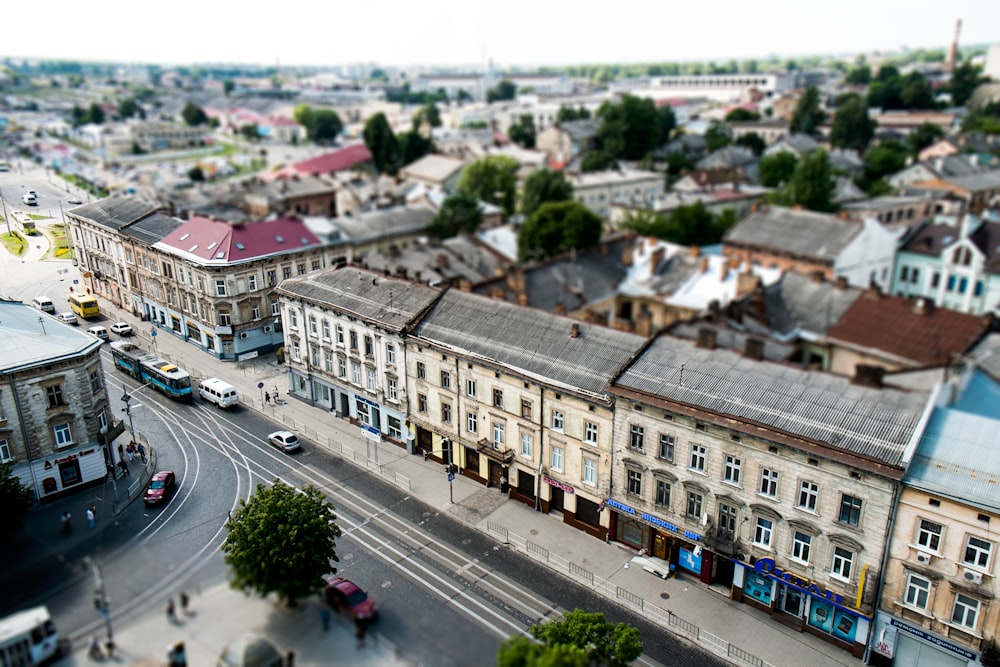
<point x="84" y="305"/>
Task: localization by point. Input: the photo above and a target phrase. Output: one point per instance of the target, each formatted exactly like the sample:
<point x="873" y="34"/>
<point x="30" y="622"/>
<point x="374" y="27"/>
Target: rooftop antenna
<point x="41" y="320"/>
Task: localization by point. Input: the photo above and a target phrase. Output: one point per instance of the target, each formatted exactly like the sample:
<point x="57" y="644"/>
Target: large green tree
<point x="964" y="81"/>
<point x="717" y="136"/>
<point x="128" y="108"/>
<point x="413" y="145"/>
<point x="557" y="227"/>
<point x="916" y="93"/>
<point x="429" y="113"/>
<point x="633" y="127"/>
<point x="282" y="541"/>
<point x="753" y="141"/>
<point x="324" y="126"/>
<point x="776" y="170"/>
<point x="885" y="159"/>
<point x="194" y="114"/>
<point x="504" y="90"/>
<point x="459" y="214"/>
<point x="808" y="112"/>
<point x="382" y="144"/>
<point x="523" y="131"/>
<point x="923" y="136"/>
<point x="859" y="76"/>
<point x="567" y="113"/>
<point x="811" y="186"/>
<point x="741" y="115"/>
<point x="15" y="500"/>
<point x="886" y="90"/>
<point x="544" y="185"/>
<point x="579" y="638"/>
<point x="689" y="224"/>
<point x="852" y="126"/>
<point x="492" y="179"/>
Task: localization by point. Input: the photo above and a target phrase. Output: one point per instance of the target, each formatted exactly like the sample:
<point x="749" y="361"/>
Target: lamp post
<point x="101" y="600"/>
<point x="128" y="411"/>
<point x="449" y="467"/>
<point x="109" y="458"/>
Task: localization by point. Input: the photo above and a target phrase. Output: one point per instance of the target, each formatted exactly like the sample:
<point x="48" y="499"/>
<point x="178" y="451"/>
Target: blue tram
<point x="164" y="376"/>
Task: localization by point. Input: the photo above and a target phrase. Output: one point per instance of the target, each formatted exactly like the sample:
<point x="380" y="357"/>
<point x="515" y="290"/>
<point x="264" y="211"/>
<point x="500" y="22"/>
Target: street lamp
<point x="109" y="458"/>
<point x="128" y="411"/>
<point x="101" y="600"/>
<point x="450" y="467"/>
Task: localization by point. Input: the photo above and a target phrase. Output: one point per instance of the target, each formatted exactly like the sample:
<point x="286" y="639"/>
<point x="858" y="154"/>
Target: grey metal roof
<point x="31" y="337"/>
<point x="983" y="181"/>
<point x="820" y="407"/>
<point x="390" y="303"/>
<point x="152" y="229"/>
<point x="537" y="343"/>
<point x="986" y="355"/>
<point x="799" y="303"/>
<point x="116" y="212"/>
<point x="818" y="236"/>
<point x="384" y="223"/>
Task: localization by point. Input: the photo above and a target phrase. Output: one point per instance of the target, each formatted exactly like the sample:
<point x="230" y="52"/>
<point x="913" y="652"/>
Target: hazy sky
<point x="512" y="32"/>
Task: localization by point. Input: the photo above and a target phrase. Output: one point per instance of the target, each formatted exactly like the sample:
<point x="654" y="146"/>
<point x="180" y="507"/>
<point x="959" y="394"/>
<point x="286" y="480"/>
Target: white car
<point x="29" y="199"/>
<point x="122" y="328"/>
<point x="74" y="200"/>
<point x="286" y="441"/>
<point x="100" y="332"/>
<point x="68" y="318"/>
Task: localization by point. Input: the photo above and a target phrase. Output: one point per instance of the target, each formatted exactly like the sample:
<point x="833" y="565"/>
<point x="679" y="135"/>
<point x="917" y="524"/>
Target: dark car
<point x="160" y="488"/>
<point x="342" y="594"/>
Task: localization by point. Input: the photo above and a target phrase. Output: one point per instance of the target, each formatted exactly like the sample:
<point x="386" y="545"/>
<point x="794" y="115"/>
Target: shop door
<point x="425" y="440"/>
<point x="472" y="461"/>
<point x="525" y="484"/>
<point x="660" y="546"/>
<point x="496" y="472"/>
<point x="724" y="571"/>
<point x="790" y="601"/>
<point x="557" y="499"/>
<point x="345" y="407"/>
<point x="911" y="652"/>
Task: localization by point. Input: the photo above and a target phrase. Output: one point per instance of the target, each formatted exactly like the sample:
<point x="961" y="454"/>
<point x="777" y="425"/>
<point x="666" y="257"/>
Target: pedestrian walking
<point x="142" y="452"/>
<point x="130" y="455"/>
<point x="324" y="617"/>
<point x="66" y="521"/>
<point x="267" y="398"/>
<point x="183" y="597"/>
<point x="91" y="518"/>
<point x="171" y="612"/>
<point x="290" y="658"/>
<point x="176" y="657"/>
<point x="359" y="633"/>
<point x="503" y="483"/>
<point x="124" y="466"/>
<point x="121" y="451"/>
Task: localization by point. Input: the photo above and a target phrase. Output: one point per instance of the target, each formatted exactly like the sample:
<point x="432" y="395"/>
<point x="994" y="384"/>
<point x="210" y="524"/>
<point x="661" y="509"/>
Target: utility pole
<point x="5" y="217"/>
<point x="128" y="411"/>
<point x="101" y="600"/>
<point x="451" y="471"/>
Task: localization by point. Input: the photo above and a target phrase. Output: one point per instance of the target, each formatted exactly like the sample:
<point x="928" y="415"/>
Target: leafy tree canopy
<point x="753" y="141"/>
<point x="740" y="115"/>
<point x="382" y="144"/>
<point x="885" y="159"/>
<point x="523" y="131"/>
<point x="492" y="179"/>
<point x="859" y="76"/>
<point x="690" y="224"/>
<point x="567" y="113"/>
<point x="544" y="185"/>
<point x="504" y="90"/>
<point x="916" y="93"/>
<point x="923" y="136"/>
<point x="282" y="541"/>
<point x="812" y="183"/>
<point x="194" y="114"/>
<point x="557" y="227"/>
<point x="324" y="126"/>
<point x="601" y="643"/>
<point x="717" y="136"/>
<point x="633" y="127"/>
<point x="429" y="113"/>
<point x="15" y="500"/>
<point x="228" y="86"/>
<point x="459" y="214"/>
<point x="985" y="119"/>
<point x="808" y="113"/>
<point x="128" y="108"/>
<point x="196" y="174"/>
<point x="964" y="81"/>
<point x="776" y="170"/>
<point x="413" y="145"/>
<point x="852" y="126"/>
<point x="597" y="161"/>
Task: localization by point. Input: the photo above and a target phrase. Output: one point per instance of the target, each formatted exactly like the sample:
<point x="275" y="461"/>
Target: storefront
<point x="799" y="602"/>
<point x="896" y="642"/>
<point x="659" y="538"/>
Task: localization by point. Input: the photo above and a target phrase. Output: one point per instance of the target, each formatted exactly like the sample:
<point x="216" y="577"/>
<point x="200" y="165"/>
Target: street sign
<point x="371" y="432"/>
<point x="153" y="333"/>
<point x="76" y="281"/>
<point x="451" y="477"/>
<point x="260" y="385"/>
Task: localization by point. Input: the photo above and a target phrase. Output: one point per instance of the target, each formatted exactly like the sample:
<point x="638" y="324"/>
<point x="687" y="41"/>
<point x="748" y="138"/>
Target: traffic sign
<point x="153" y="333"/>
<point x="451" y="477"/>
<point x="260" y="385"/>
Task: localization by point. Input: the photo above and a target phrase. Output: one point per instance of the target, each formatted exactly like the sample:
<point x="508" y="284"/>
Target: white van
<point x="44" y="304"/>
<point x="221" y="393"/>
<point x="100" y="332"/>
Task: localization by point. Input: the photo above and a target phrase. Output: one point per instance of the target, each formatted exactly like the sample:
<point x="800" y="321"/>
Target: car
<point x="344" y="595"/>
<point x="122" y="328"/>
<point x="68" y="318"/>
<point x="286" y="441"/>
<point x="74" y="200"/>
<point x="29" y="199"/>
<point x="100" y="332"/>
<point x="160" y="488"/>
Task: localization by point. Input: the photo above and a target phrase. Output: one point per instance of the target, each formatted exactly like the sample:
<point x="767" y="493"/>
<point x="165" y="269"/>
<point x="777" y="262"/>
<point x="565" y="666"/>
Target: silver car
<point x="286" y="441"/>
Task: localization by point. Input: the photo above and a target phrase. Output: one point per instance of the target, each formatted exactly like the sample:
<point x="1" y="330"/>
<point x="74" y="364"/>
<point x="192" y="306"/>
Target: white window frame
<point x="929" y="535"/>
<point x="589" y="471"/>
<point x="590" y="433"/>
<point x="768" y="482"/>
<point x="472" y="422"/>
<point x="697" y="460"/>
<point x="842" y="560"/>
<point x="808" y="499"/>
<point x="965" y="611"/>
<point x="63" y="434"/>
<point x="733" y="470"/>
<point x="558" y="420"/>
<point x="391" y="389"/>
<point x="5" y="451"/>
<point x="977" y="555"/>
<point x="527" y="443"/>
<point x="636" y="438"/>
<point x="917" y="591"/>
<point x="499" y="435"/>
<point x="558" y="458"/>
<point x="801" y="546"/>
<point x="470" y="388"/>
<point x="763" y="535"/>
<point x="633" y="482"/>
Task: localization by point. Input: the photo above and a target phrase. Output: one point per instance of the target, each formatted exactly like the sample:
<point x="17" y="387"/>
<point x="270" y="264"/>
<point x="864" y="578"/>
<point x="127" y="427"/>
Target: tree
<point x="964" y="80"/>
<point x="812" y="183"/>
<point x="567" y="113"/>
<point x="194" y="114"/>
<point x="249" y="132"/>
<point x="128" y="108"/>
<point x="597" y="161"/>
<point x="886" y="90"/>
<point x="557" y="227"/>
<point x="808" y="114"/>
<point x="916" y="93"/>
<point x="504" y="90"/>
<point x="228" y="86"/>
<point x="523" y="131"/>
<point x="196" y="174"/>
<point x="282" y="541"/>
<point x="491" y="179"/>
<point x="459" y="214"/>
<point x="382" y="144"/>
<point x="776" y="170"/>
<point x="544" y="185"/>
<point x="413" y="145"/>
<point x="886" y="158"/>
<point x="859" y="76"/>
<point x="302" y="114"/>
<point x="741" y="115"/>
<point x="324" y="126"/>
<point x="717" y="136"/>
<point x="429" y="113"/>
<point x="15" y="500"/>
<point x="633" y="127"/>
<point x="923" y="136"/>
<point x="852" y="126"/>
<point x="753" y="141"/>
<point x="95" y="114"/>
<point x="579" y="638"/>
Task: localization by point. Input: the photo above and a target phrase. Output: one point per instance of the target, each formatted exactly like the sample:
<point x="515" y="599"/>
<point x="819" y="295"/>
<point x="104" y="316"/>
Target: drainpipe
<point x="896" y="493"/>
<point x="541" y="449"/>
<point x="24" y="436"/>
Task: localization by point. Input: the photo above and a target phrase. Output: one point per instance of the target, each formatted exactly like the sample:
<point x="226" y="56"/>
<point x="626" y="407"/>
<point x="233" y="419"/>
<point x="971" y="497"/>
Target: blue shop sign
<point x="654" y="520"/>
<point x="937" y="641"/>
<point x="362" y="399"/>
<point x="767" y="567"/>
<point x="689" y="561"/>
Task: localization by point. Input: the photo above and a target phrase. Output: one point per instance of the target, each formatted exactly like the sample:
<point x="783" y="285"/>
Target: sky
<point x="470" y="32"/>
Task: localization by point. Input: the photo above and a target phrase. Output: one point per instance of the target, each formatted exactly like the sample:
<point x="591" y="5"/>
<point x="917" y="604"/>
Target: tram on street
<point x="150" y="369"/>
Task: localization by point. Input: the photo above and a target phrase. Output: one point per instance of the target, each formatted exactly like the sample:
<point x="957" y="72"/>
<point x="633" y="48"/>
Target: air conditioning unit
<point x="923" y="557"/>
<point x="972" y="575"/>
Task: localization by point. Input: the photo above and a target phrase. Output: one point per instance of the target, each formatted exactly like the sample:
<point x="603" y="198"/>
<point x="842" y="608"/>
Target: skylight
<point x="303" y="240"/>
<point x="220" y="255"/>
<point x="279" y="239"/>
<point x="184" y="236"/>
<point x="193" y="248"/>
<point x="240" y="246"/>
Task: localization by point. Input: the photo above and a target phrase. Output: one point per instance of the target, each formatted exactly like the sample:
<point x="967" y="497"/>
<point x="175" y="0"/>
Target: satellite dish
<point x="704" y="519"/>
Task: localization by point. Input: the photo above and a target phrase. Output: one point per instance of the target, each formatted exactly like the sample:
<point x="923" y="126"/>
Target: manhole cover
<point x="664" y="596"/>
<point x="348" y="556"/>
<point x="533" y="531"/>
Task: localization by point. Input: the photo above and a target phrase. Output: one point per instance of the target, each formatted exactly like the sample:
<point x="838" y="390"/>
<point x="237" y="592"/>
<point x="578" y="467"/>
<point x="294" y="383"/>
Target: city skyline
<point x="520" y="33"/>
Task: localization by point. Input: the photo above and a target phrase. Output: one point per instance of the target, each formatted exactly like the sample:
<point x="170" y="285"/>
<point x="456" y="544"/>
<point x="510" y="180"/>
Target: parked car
<point x="100" y="332"/>
<point x="74" y="200"/>
<point x="122" y="328"/>
<point x="286" y="441"/>
<point x="344" y="595"/>
<point x="68" y="318"/>
<point x="29" y="199"/>
<point x="160" y="488"/>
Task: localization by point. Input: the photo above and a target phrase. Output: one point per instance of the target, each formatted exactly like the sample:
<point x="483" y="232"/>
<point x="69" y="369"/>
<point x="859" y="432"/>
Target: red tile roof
<point x="218" y="242"/>
<point x="895" y="326"/>
<point x="345" y="158"/>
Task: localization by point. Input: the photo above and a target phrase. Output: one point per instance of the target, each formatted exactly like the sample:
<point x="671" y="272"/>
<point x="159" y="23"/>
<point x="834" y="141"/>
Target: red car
<point x="160" y="488"/>
<point x="341" y="593"/>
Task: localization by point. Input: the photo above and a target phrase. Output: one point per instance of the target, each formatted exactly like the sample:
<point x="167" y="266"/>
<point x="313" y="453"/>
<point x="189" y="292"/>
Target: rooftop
<point x="209" y="241"/>
<point x="817" y="236"/>
<point x="32" y="338"/>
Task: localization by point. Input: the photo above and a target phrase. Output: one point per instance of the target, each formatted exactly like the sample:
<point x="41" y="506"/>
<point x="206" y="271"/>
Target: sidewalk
<point x="683" y="606"/>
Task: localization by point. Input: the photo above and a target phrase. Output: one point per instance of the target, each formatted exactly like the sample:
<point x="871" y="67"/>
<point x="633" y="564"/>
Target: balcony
<point x="721" y="541"/>
<point x="485" y="447"/>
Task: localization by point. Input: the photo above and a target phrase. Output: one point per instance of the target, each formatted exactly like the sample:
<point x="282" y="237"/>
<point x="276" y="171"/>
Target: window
<point x="293" y="319"/>
<point x="286" y="272"/>
<point x="96" y="381"/>
<point x="354" y="340"/>
<point x="4" y="451"/>
<point x="843" y="561"/>
<point x="694" y="503"/>
<point x="929" y="535"/>
<point x="977" y="552"/>
<point x="590" y="433"/>
<point x="808" y="495"/>
<point x="557" y="420"/>
<point x="471" y="422"/>
<point x="526" y="441"/>
<point x="390" y="354"/>
<point x="340" y="336"/>
<point x="296" y="352"/>
<point x="733" y="468"/>
<point x="446" y="413"/>
<point x="763" y="532"/>
<point x="55" y="395"/>
<point x="356" y="372"/>
<point x="727" y="520"/>
<point x="470" y="388"/>
<point x="666" y="447"/>
<point x="391" y="389"/>
<point x="370" y="378"/>
<point x="498" y="398"/>
<point x="850" y="510"/>
<point x="421" y="370"/>
<point x="557" y="458"/>
<point x="255" y="311"/>
<point x="313" y="330"/>
<point x="965" y="611"/>
<point x="918" y="591"/>
<point x="314" y="355"/>
<point x="525" y="408"/>
<point x="662" y="493"/>
<point x="801" y="545"/>
<point x="768" y="482"/>
<point x="634" y="483"/>
<point x="421" y="402"/>
<point x="272" y="278"/>
<point x="326" y="330"/>
<point x="225" y="318"/>
<point x="445" y="380"/>
<point x="636" y="437"/>
<point x="341" y="367"/>
<point x="589" y="471"/>
<point x="369" y="346"/>
<point x="904" y="273"/>
<point x="499" y="437"/>
<point x="220" y="287"/>
<point x="63" y="434"/>
<point x="698" y="457"/>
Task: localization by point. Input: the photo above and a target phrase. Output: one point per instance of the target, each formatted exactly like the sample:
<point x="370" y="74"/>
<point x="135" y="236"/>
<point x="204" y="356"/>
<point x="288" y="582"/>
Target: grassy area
<point x="35" y="216"/>
<point x="60" y="247"/>
<point x="14" y="243"/>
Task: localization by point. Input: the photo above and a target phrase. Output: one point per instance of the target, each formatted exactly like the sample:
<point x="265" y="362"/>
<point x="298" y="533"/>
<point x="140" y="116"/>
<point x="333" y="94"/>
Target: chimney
<point x="868" y="376"/>
<point x="560" y="308"/>
<point x="724" y="273"/>
<point x="757" y="302"/>
<point x="465" y="285"/>
<point x="442" y="261"/>
<point x="498" y="293"/>
<point x="522" y="298"/>
<point x="840" y="282"/>
<point x="754" y="349"/>
<point x="694" y="251"/>
<point x="627" y="252"/>
<point x="706" y="338"/>
<point x="922" y="306"/>
<point x="574" y="330"/>
<point x="817" y="277"/>
<point x="746" y="282"/>
<point x="656" y="258"/>
<point x="704" y="265"/>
